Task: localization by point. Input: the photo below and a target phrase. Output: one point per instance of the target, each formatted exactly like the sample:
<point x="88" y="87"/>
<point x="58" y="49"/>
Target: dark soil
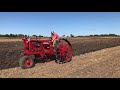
<point x="10" y="54"/>
<point x="93" y="45"/>
<point x="10" y="51"/>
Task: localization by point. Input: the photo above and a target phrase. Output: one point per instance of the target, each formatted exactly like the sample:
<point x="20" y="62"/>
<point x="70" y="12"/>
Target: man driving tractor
<point x="55" y="37"/>
<point x="60" y="48"/>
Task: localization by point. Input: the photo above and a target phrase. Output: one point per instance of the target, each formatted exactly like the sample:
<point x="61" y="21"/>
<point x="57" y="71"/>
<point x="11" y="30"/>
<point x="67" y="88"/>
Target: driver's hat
<point x="52" y="32"/>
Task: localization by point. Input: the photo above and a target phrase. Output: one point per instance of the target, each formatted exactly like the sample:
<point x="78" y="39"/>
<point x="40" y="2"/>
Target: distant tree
<point x="34" y="35"/>
<point x="101" y="34"/>
<point x="40" y="36"/>
<point x="11" y="35"/>
<point x="20" y="35"/>
<point x="91" y="35"/>
<point x="79" y="36"/>
<point x="71" y="35"/>
<point x="96" y="35"/>
<point x="63" y="35"/>
<point x="112" y="35"/>
<point x="1" y="35"/>
<point x="6" y="35"/>
<point x="106" y="35"/>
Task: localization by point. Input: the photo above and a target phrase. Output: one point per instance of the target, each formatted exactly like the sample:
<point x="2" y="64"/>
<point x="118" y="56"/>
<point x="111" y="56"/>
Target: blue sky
<point x="42" y="23"/>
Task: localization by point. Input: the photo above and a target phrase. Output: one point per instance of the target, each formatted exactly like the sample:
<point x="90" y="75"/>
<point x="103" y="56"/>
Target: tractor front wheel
<point x="26" y="62"/>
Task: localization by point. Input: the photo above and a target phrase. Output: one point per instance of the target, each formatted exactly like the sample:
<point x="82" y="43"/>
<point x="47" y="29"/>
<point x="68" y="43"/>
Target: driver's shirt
<point x="55" y="36"/>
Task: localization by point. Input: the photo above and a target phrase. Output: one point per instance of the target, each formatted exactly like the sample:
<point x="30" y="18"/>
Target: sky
<point x="63" y="23"/>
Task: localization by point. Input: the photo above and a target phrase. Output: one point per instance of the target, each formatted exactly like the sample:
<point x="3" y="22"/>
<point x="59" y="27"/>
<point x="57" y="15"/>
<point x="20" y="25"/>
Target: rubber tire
<point x="57" y="60"/>
<point x="22" y="60"/>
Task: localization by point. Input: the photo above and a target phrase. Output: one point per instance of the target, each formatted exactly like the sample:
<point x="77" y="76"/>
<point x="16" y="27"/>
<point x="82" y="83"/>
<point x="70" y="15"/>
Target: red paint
<point x="28" y="63"/>
<point x="43" y="48"/>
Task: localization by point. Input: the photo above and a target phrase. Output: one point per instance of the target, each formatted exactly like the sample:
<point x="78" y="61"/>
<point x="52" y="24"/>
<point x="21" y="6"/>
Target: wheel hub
<point x="28" y="62"/>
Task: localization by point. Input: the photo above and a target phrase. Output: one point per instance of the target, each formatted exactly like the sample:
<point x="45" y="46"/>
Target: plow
<point x="44" y="50"/>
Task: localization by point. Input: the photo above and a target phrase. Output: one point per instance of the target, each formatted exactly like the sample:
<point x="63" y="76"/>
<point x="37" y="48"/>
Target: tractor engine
<point x="38" y="47"/>
<point x="35" y="46"/>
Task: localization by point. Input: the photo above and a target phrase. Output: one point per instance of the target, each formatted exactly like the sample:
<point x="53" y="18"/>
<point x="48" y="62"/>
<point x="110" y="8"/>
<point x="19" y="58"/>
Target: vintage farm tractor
<point x="41" y="49"/>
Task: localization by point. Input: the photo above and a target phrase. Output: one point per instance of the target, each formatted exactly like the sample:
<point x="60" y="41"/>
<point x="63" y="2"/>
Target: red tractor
<point x="43" y="50"/>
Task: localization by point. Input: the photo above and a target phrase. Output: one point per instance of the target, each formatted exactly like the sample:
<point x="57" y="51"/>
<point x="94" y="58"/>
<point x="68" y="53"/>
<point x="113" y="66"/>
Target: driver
<point x="55" y="37"/>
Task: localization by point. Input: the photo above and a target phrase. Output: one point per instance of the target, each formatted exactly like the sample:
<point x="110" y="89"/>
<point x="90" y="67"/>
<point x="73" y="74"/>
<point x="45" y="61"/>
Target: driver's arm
<point x="53" y="38"/>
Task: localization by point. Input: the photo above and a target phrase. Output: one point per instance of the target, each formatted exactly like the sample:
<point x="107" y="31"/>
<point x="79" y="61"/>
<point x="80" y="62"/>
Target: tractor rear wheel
<point x="64" y="51"/>
<point x="26" y="62"/>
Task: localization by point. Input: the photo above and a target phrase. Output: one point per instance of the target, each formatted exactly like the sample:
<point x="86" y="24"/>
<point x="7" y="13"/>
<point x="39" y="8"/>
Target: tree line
<point x="71" y="35"/>
<point x="96" y="35"/>
<point x="11" y="35"/>
<point x="17" y="35"/>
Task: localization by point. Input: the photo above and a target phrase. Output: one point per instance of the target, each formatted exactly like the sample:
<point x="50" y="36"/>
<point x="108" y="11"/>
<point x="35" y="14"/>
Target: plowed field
<point x="10" y="50"/>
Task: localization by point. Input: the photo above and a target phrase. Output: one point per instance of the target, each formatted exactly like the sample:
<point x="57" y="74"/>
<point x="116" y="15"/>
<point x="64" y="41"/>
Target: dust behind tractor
<point x="35" y="49"/>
